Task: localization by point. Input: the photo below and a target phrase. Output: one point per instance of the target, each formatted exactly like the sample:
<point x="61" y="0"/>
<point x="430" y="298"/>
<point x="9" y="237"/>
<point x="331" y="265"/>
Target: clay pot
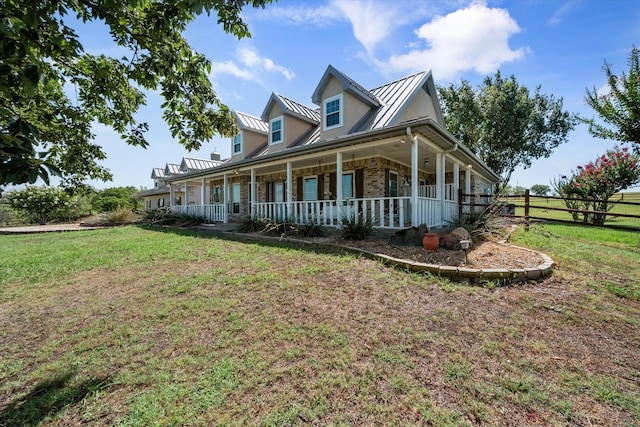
<point x="430" y="242"/>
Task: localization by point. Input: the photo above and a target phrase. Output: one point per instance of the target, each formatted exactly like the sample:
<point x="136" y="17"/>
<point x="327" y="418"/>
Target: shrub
<point x="478" y="222"/>
<point x="122" y="215"/>
<point x="252" y="224"/>
<point x="39" y="203"/>
<point x="357" y="226"/>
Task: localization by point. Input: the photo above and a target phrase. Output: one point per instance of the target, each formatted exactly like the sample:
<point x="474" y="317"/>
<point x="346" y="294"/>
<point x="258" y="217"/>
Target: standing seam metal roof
<point x="394" y="96"/>
<point x="298" y="109"/>
<point x="192" y="163"/>
<point x="249" y="122"/>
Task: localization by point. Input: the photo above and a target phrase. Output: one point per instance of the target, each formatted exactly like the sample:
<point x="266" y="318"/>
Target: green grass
<point x="134" y="327"/>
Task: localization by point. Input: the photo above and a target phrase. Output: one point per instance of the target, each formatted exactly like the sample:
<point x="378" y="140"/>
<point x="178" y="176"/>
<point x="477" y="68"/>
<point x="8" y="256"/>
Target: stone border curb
<point x="475" y="275"/>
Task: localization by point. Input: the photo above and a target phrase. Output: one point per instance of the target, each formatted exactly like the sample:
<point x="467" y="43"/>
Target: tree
<point x="596" y="182"/>
<point x="113" y="198"/>
<point x="44" y="132"/>
<point x="540" y="189"/>
<point x="503" y="124"/>
<point x="620" y="107"/>
<point x="39" y="203"/>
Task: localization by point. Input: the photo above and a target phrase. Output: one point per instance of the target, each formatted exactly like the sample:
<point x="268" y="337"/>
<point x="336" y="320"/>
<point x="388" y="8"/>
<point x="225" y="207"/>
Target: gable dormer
<point x="343" y="103"/>
<point x="157" y="175"/>
<point x="288" y="121"/>
<point x="251" y="136"/>
<point x="172" y="169"/>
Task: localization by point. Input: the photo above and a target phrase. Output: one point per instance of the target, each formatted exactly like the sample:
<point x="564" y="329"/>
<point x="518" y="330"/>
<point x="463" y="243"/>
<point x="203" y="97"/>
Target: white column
<point x="456" y="180"/>
<point x="225" y="197"/>
<point x="253" y="192"/>
<point x="172" y="196"/>
<point x="186" y="193"/>
<point x="440" y="168"/>
<point x="339" y="193"/>
<point x="415" y="221"/>
<point x="203" y="192"/>
<point x="289" y="190"/>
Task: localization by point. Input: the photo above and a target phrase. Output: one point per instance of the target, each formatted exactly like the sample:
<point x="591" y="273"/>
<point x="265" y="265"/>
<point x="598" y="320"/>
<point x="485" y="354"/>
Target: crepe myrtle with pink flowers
<point x="596" y="182"/>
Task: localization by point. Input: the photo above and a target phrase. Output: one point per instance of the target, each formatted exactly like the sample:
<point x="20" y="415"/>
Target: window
<point x="393" y="184"/>
<point x="235" y="197"/>
<point x="333" y="112"/>
<point x="278" y="191"/>
<point x="275" y="134"/>
<point x="347" y="186"/>
<point x="161" y="202"/>
<point x="310" y="188"/>
<point x="237" y="143"/>
<point x="216" y="194"/>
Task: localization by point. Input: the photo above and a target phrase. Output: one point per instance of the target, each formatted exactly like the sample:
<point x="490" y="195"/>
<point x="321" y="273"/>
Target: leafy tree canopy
<point x="540" y="189"/>
<point x="43" y="131"/>
<point x="505" y="125"/>
<point x="620" y="107"/>
<point x="113" y="198"/>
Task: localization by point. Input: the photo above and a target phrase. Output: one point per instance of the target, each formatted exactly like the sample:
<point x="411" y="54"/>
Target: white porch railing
<point x="429" y="191"/>
<point x="211" y="213"/>
<point x="387" y="212"/>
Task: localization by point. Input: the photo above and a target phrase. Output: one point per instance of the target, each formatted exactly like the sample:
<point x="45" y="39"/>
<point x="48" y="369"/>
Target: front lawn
<point x="133" y="326"/>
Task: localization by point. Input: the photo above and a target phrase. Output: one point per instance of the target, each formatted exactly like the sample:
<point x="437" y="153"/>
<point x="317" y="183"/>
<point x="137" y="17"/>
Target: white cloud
<point x="321" y="16"/>
<point x="249" y="66"/>
<point x="562" y="12"/>
<point x="474" y="38"/>
<point x="372" y="21"/>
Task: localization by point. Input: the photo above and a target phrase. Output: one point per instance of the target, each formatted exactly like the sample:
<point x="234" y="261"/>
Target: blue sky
<point x="558" y="45"/>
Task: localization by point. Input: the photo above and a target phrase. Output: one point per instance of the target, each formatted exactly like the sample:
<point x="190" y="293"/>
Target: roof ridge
<point x="400" y="79"/>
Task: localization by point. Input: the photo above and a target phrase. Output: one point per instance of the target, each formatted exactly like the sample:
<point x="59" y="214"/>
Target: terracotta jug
<point x="430" y="242"/>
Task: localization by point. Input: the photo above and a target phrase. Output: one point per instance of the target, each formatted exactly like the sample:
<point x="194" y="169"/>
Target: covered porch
<point x="404" y="177"/>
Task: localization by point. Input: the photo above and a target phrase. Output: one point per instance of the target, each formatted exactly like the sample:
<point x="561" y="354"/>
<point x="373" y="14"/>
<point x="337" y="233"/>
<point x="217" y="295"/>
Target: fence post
<point x="526" y="210"/>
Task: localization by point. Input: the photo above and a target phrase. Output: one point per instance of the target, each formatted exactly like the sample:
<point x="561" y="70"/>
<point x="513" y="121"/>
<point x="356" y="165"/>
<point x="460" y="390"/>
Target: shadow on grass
<point x="290" y="241"/>
<point x="48" y="398"/>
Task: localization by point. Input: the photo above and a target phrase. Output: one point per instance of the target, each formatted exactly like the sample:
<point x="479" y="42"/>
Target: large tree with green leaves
<point x="504" y="124"/>
<point x="43" y="131"/>
<point x="619" y="106"/>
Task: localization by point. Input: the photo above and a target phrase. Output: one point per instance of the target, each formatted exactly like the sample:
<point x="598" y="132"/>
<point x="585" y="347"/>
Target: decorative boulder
<point x="409" y="236"/>
<point x="452" y="240"/>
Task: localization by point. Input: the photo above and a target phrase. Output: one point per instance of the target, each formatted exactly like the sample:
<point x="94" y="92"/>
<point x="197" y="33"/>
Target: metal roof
<point x="394" y="97"/>
<point x="252" y="123"/>
<point x="348" y="84"/>
<point x="172" y="169"/>
<point x="157" y="173"/>
<point x="191" y="163"/>
<point x="292" y="108"/>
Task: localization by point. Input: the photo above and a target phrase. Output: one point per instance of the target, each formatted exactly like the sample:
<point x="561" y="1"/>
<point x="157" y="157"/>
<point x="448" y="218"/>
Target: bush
<point x="164" y="216"/>
<point x="250" y="224"/>
<point x="39" y="203"/>
<point x="122" y="215"/>
<point x="478" y="222"/>
<point x="357" y="226"/>
<point x="279" y="227"/>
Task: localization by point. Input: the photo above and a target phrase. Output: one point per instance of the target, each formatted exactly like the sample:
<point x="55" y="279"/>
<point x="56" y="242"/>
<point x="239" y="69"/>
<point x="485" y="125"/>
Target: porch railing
<point x="211" y="213"/>
<point x="429" y="191"/>
<point x="387" y="212"/>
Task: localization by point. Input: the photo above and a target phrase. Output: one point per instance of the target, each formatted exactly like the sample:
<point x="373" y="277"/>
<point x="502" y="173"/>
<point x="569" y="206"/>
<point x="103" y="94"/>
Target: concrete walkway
<point x="47" y="228"/>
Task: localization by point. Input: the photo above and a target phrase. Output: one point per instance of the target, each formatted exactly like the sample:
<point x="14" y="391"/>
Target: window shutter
<point x="321" y="186"/>
<point x="359" y="183"/>
<point x="386" y="183"/>
<point x="333" y="189"/>
<point x="300" y="190"/>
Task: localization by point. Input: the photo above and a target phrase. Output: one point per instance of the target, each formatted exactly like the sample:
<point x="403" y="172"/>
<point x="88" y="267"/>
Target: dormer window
<point x="237" y="143"/>
<point x="275" y="130"/>
<point x="332" y="112"/>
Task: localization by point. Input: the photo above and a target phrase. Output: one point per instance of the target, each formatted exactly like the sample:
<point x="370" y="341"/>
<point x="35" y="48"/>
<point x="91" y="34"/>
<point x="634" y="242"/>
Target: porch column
<point x="203" y="191"/>
<point x="456" y="180"/>
<point x="415" y="221"/>
<point x="338" y="177"/>
<point x="186" y="193"/>
<point x="440" y="176"/>
<point x="225" y="197"/>
<point x="289" y="191"/>
<point x="172" y="196"/>
<point x="252" y="190"/>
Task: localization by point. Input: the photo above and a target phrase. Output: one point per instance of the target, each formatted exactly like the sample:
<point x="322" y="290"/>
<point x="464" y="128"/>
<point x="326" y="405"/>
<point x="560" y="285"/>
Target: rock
<point x="452" y="240"/>
<point x="409" y="236"/>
